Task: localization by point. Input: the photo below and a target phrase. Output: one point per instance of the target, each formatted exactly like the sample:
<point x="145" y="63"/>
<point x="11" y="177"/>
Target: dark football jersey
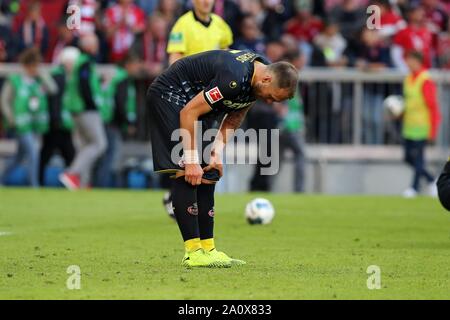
<point x="225" y="76"/>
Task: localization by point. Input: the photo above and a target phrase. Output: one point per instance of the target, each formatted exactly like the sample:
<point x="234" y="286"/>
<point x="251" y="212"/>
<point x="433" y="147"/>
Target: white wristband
<point x="191" y="157"/>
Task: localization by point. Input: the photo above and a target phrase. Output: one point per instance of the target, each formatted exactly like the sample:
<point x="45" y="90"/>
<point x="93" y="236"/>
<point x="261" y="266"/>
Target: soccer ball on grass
<point x="259" y="211"/>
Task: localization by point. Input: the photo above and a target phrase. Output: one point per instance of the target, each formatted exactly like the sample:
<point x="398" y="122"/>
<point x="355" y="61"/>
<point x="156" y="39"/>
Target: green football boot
<point x="221" y="256"/>
<point x="200" y="259"/>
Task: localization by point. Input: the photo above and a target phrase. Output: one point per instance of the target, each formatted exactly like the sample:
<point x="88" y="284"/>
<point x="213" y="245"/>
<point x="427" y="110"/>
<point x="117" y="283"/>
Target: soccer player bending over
<point x="214" y="87"/>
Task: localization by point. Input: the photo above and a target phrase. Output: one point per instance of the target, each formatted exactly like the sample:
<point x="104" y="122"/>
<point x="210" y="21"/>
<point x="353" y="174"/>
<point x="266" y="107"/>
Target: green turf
<point x="318" y="247"/>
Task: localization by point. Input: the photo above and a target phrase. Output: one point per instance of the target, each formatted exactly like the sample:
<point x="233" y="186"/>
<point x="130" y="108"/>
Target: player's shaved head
<point x="275" y="82"/>
<point x="285" y="76"/>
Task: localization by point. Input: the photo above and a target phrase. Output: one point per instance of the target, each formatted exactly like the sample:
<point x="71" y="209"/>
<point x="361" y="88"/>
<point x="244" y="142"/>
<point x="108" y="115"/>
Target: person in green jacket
<point x="86" y="99"/>
<point x="24" y="107"/>
<point x="119" y="116"/>
<point x="59" y="136"/>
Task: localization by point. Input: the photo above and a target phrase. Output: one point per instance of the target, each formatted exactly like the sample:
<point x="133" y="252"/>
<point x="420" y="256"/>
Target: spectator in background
<point x="197" y="31"/>
<point x="84" y="92"/>
<point x="33" y="32"/>
<point x="414" y="37"/>
<point x="372" y="55"/>
<point x="230" y="11"/>
<point x="420" y="120"/>
<point x="8" y="44"/>
<point x="170" y="10"/>
<point x="436" y="17"/>
<point x="276" y="12"/>
<point x="391" y="22"/>
<point x="151" y="45"/>
<point x="443" y="48"/>
<point x="59" y="136"/>
<point x="275" y="51"/>
<point x="66" y="38"/>
<point x="292" y="136"/>
<point x="251" y="36"/>
<point x="88" y="10"/>
<point x="24" y="106"/>
<point x="332" y="45"/>
<point x="119" y="116"/>
<point x="122" y="22"/>
<point x="304" y="26"/>
<point x="149" y="6"/>
<point x="350" y="16"/>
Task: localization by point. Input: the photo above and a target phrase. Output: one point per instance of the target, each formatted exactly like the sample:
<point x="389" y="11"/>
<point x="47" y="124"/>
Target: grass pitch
<point x="318" y="247"/>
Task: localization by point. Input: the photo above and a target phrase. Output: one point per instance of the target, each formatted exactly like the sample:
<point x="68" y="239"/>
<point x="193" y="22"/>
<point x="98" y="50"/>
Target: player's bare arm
<point x="231" y="122"/>
<point x="174" y="57"/>
<point x="188" y="118"/>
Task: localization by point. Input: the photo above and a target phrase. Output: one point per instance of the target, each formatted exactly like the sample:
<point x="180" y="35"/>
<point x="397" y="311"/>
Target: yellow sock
<point x="208" y="244"/>
<point x="192" y="245"/>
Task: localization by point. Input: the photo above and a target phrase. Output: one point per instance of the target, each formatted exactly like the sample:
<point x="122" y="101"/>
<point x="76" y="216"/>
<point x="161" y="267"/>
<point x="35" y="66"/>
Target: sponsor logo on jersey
<point x="236" y="105"/>
<point x="214" y="95"/>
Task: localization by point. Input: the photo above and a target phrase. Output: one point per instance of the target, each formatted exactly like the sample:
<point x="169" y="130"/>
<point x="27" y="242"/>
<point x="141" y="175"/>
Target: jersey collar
<point x="205" y="24"/>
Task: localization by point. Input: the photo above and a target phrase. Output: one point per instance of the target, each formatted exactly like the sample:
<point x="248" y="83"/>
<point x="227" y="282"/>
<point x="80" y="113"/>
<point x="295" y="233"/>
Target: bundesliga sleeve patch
<point x="214" y="95"/>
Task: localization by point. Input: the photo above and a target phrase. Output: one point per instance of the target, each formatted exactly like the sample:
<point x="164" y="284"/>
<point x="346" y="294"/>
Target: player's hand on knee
<point x="216" y="166"/>
<point x="193" y="174"/>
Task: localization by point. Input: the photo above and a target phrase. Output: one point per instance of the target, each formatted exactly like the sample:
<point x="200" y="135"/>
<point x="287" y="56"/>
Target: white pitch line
<point x="5" y="233"/>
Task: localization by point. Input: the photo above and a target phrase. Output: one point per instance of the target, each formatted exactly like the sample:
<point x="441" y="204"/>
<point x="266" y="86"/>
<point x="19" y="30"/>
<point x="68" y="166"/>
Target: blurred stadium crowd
<point x="330" y="32"/>
<point x="322" y="33"/>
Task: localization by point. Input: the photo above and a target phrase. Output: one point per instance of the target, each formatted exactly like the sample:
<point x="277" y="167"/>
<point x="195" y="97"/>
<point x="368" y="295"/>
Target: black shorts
<point x="164" y="121"/>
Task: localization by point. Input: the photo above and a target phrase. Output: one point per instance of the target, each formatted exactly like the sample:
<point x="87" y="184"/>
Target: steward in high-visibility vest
<point x="29" y="105"/>
<point x="85" y="97"/>
<point x="79" y="99"/>
<point x="25" y="110"/>
<point x="119" y="99"/>
<point x="59" y="136"/>
<point x="420" y="120"/>
<point x="118" y="113"/>
<point x="60" y="116"/>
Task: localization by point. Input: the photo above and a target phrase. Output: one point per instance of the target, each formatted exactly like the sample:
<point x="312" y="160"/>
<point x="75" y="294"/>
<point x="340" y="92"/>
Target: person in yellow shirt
<point x="197" y="31"/>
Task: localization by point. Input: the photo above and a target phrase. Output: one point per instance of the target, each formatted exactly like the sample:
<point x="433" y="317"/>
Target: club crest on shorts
<point x="193" y="210"/>
<point x="214" y="95"/>
<point x="182" y="163"/>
